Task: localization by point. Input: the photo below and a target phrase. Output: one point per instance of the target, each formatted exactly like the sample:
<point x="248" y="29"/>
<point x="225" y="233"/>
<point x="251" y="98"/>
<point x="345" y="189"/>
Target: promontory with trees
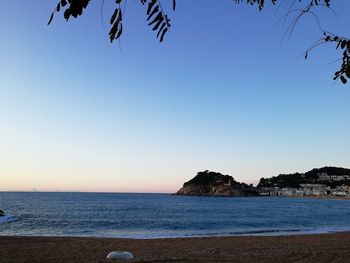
<point x="216" y="184"/>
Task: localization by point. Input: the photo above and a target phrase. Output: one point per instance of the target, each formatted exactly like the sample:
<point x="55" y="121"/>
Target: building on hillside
<point x="332" y="178"/>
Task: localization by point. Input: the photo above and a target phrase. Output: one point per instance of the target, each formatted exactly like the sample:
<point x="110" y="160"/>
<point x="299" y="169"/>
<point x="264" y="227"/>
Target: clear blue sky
<point x="221" y="93"/>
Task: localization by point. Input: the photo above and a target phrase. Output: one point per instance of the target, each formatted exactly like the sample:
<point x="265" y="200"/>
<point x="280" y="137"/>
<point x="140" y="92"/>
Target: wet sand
<point x="303" y="248"/>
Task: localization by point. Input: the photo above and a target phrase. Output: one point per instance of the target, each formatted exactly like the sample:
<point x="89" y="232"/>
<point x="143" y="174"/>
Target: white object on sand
<point x="115" y="255"/>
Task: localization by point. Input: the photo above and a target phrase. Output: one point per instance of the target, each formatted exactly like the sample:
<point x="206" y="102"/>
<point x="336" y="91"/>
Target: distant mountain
<point x="216" y="184"/>
<point x="330" y="176"/>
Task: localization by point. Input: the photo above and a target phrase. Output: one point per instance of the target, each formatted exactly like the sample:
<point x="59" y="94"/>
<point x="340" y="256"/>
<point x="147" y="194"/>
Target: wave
<point x="8" y="218"/>
<point x="260" y="232"/>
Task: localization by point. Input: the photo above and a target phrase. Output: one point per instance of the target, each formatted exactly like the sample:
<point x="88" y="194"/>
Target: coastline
<point x="317" y="197"/>
<point x="301" y="248"/>
<point x="275" y="196"/>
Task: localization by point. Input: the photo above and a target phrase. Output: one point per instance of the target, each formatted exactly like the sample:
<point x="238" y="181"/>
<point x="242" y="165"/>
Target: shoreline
<point x="317" y="197"/>
<point x="279" y="196"/>
<point x="262" y="233"/>
<point x="304" y="248"/>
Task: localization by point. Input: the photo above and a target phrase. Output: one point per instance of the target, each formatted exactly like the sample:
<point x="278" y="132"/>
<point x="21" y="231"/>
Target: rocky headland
<point x="216" y="184"/>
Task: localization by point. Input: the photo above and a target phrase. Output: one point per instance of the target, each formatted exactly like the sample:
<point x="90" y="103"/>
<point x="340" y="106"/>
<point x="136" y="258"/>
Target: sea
<point x="146" y="216"/>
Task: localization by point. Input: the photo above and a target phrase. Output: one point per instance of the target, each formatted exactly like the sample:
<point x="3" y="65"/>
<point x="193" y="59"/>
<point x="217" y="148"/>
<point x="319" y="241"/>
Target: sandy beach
<point x="333" y="247"/>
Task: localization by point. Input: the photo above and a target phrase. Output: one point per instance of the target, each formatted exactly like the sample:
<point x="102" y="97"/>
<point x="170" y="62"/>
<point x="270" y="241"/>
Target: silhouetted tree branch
<point x="158" y="20"/>
<point x="156" y="17"/>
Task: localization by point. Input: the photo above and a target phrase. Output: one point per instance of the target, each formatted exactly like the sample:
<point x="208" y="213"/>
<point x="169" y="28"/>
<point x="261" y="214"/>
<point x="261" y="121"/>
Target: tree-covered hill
<point x="208" y="183"/>
<point x="209" y="178"/>
<point x="311" y="177"/>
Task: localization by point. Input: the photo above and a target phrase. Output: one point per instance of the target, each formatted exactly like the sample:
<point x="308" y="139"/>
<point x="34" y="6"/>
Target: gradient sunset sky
<point x="223" y="93"/>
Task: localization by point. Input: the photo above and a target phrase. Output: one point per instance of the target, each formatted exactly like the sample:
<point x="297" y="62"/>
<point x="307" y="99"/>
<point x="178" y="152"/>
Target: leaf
<point x="306" y="54"/>
<point x="120" y="31"/>
<point x="114" y="29"/>
<point x="339" y="42"/>
<point x="343" y="44"/>
<point x="174" y="5"/>
<point x="117" y="27"/>
<point x="114" y="16"/>
<point x="67" y="14"/>
<point x="347" y="71"/>
<point x="161" y="28"/>
<point x="343" y="79"/>
<point x="63" y="3"/>
<point x="162" y="35"/>
<point x="50" y="20"/>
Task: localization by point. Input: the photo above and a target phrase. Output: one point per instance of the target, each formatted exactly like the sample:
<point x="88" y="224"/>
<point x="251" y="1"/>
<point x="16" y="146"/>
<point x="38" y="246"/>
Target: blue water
<point x="162" y="215"/>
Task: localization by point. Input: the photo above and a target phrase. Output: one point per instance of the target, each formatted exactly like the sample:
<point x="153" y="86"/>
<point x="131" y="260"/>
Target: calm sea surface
<point x="162" y="215"/>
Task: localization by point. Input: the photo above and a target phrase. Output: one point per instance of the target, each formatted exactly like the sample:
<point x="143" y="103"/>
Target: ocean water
<point x="164" y="215"/>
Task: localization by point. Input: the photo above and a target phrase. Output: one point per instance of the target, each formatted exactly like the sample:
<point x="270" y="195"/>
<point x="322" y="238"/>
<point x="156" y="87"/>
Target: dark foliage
<point x="344" y="45"/>
<point x="328" y="170"/>
<point x="160" y="23"/>
<point x="74" y="8"/>
<point x="207" y="177"/>
<point x="282" y="180"/>
<point x="310" y="177"/>
<point x="116" y="23"/>
<point x="213" y="179"/>
<point x="156" y="18"/>
<point x="260" y="3"/>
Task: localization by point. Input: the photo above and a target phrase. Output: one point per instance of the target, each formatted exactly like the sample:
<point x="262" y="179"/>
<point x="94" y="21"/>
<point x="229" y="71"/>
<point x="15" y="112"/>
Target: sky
<point x="224" y="92"/>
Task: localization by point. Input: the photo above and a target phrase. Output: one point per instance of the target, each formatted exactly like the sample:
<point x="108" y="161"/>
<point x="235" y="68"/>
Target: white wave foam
<point x="8" y="218"/>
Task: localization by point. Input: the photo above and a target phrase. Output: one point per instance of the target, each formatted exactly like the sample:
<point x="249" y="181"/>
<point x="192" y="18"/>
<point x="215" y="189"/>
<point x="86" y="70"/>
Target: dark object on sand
<point x="2" y="213"/>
